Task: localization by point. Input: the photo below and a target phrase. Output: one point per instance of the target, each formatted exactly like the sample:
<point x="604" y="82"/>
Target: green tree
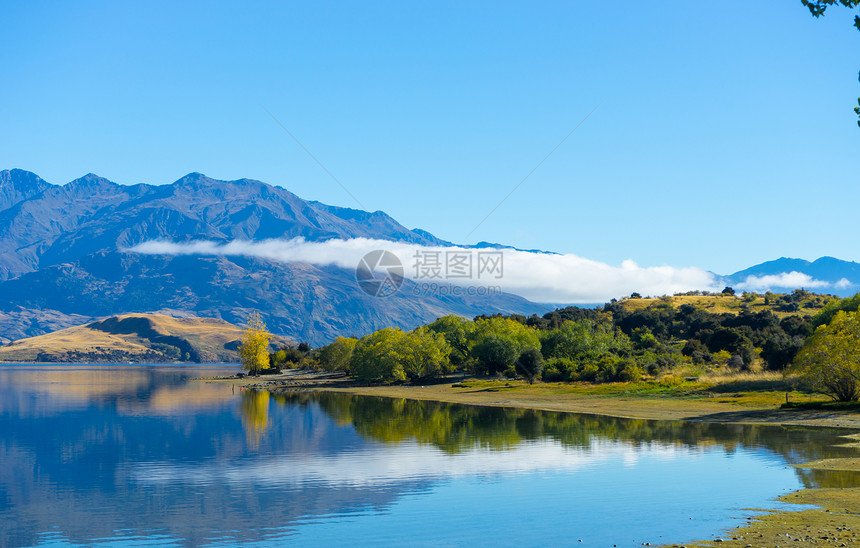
<point x="848" y="304"/>
<point x="376" y="358"/>
<point x="584" y="340"/>
<point x="817" y="9"/>
<point x="336" y="355"/>
<point x="254" y="350"/>
<point x="425" y="354"/>
<point x="495" y="353"/>
<point x="392" y="355"/>
<point x="830" y="361"/>
<point x="530" y="364"/>
<point x="279" y="358"/>
<point x="497" y="342"/>
<point x="456" y="330"/>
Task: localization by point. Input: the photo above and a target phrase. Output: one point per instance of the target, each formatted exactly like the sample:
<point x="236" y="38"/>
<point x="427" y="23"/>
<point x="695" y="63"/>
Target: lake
<point x="140" y="456"/>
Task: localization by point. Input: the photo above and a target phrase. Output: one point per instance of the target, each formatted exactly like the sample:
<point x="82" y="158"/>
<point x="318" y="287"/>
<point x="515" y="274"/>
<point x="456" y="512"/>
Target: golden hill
<point x="799" y="302"/>
<point x="136" y="338"/>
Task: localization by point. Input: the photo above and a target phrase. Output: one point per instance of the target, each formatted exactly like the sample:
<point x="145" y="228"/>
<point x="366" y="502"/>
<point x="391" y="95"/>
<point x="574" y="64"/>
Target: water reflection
<point x="456" y="429"/>
<point x="145" y="390"/>
<point x="134" y="455"/>
<point x="255" y="414"/>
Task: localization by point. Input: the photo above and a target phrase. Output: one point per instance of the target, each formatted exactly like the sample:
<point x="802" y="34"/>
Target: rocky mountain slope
<point x="62" y="261"/>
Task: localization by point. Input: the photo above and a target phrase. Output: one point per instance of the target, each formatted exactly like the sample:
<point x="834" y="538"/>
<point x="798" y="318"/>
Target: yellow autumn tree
<point x="254" y="350"/>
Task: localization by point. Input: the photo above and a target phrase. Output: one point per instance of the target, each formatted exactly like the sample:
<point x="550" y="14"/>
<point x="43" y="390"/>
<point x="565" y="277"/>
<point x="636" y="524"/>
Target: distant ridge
<point x="828" y="274"/>
<point x="136" y="338"/>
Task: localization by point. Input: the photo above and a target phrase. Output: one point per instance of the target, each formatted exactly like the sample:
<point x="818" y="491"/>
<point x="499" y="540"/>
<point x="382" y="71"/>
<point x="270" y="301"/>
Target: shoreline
<point x="544" y="397"/>
<point x="833" y="520"/>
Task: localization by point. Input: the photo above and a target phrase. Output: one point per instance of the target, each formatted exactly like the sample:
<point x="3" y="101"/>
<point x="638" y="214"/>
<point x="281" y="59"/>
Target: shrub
<point x="630" y="373"/>
<point x="530" y="364"/>
<point x="336" y="356"/>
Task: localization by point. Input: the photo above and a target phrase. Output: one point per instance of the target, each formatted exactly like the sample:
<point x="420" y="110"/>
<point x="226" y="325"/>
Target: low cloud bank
<point x="540" y="277"/>
<point x="788" y="280"/>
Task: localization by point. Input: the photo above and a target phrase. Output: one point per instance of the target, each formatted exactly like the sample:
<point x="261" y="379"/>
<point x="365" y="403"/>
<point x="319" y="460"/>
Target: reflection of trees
<point x="454" y="428"/>
<point x="255" y="414"/>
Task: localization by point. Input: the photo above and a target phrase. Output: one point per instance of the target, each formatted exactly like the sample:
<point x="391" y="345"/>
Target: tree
<point x="425" y="354"/>
<point x="830" y="361"/>
<point x="392" y="355"/>
<point x="497" y="342"/>
<point x="780" y="349"/>
<point x="817" y="9"/>
<point x="495" y="353"/>
<point x="254" y="350"/>
<point x="584" y="340"/>
<point x="375" y="357"/>
<point x="336" y="355"/>
<point x="530" y="364"/>
<point x="455" y="329"/>
<point x="848" y="304"/>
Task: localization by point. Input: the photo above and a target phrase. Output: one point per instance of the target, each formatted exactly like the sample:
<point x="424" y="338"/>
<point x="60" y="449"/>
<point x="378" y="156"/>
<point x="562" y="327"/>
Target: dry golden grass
<point x="716" y="304"/>
<point x="208" y="336"/>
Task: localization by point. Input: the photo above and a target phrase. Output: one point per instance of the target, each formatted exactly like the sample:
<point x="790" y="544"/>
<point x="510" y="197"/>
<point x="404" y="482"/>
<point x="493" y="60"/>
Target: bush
<point x="559" y="370"/>
<point x="336" y="356"/>
<point x="588" y="373"/>
<point x="630" y="373"/>
<point x="530" y="364"/>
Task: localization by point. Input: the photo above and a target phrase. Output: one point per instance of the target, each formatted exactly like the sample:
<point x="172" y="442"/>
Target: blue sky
<point x="723" y="136"/>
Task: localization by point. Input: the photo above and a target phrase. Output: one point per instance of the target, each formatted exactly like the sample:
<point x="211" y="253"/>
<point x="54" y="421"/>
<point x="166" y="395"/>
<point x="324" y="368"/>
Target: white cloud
<point x="541" y="277"/>
<point x="843" y="283"/>
<point x="789" y="280"/>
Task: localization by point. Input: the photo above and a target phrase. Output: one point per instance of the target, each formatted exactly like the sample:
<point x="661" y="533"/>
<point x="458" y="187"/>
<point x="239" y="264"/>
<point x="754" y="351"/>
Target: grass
<point x="719" y="304"/>
<point x="824" y="405"/>
<point x="767" y="389"/>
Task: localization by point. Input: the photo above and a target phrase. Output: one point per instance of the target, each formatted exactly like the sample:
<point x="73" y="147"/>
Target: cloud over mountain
<point x="541" y="277"/>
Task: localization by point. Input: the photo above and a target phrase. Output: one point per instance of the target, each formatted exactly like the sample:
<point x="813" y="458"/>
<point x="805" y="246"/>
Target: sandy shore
<point x="834" y="521"/>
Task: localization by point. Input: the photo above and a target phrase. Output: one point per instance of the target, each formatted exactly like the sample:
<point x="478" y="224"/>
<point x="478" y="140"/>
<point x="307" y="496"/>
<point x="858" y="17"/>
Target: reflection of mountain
<point x="91" y="451"/>
<point x="69" y="461"/>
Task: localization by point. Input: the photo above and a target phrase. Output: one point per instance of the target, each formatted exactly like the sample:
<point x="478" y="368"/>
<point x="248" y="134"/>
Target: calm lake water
<point x="136" y="455"/>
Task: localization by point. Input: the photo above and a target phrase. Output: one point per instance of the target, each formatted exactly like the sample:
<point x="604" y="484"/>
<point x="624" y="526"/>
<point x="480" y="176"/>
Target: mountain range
<point x="64" y="260"/>
<point x="835" y="275"/>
